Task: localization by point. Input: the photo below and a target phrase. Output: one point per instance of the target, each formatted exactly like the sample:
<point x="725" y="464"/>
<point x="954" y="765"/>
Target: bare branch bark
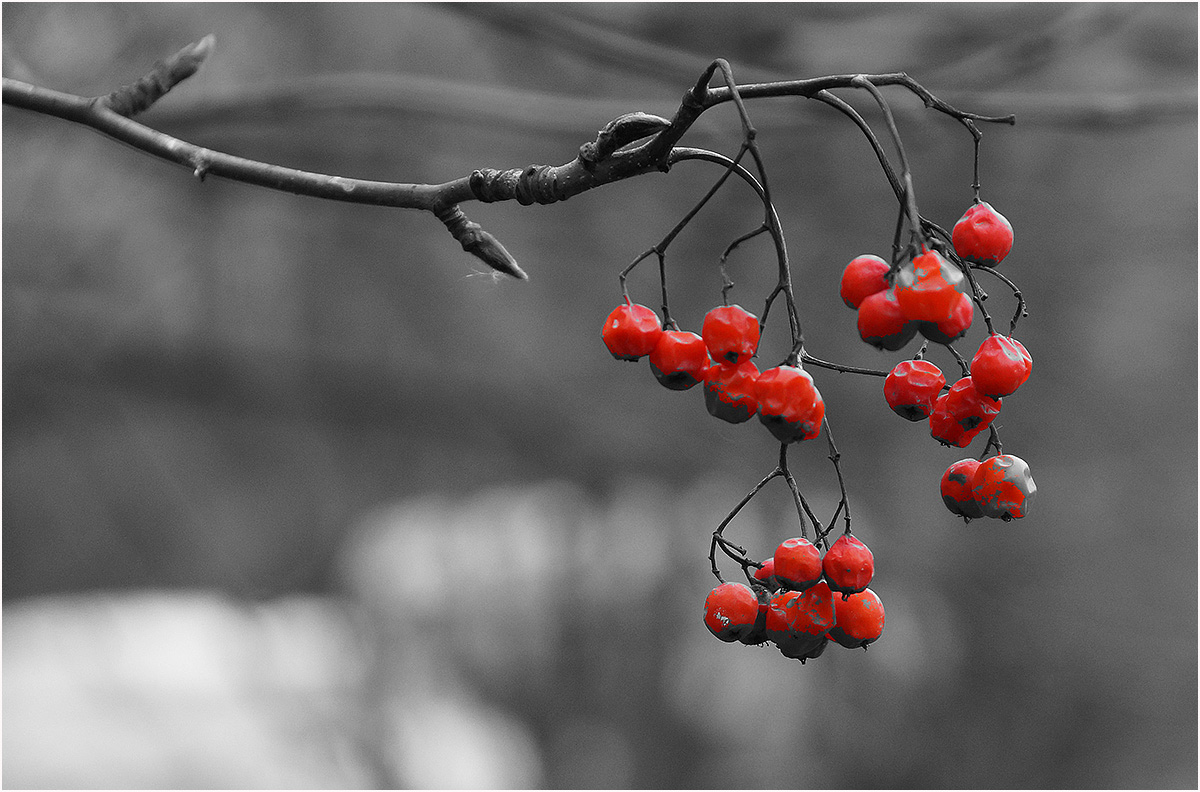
<point x="613" y="157"/>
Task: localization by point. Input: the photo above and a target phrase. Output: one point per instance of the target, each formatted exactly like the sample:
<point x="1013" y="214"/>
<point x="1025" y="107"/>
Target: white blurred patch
<point x="171" y="690"/>
<point x="453" y="741"/>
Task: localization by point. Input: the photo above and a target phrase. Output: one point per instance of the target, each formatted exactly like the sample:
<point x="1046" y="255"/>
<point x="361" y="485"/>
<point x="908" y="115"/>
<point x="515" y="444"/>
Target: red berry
<point x="679" y="359"/>
<point x="863" y="277"/>
<point x="731" y="334"/>
<point x="929" y="288"/>
<point x="961" y="414"/>
<point x="758" y="634"/>
<point x="953" y="328"/>
<point x="798" y="623"/>
<point x="797" y="563"/>
<point x="859" y="619"/>
<point x="882" y="323"/>
<point x="848" y="565"/>
<point x="1001" y="365"/>
<point x="631" y="331"/>
<point x="729" y="392"/>
<point x="911" y="388"/>
<point x="1004" y="487"/>
<point x="783" y="608"/>
<point x="766" y="572"/>
<point x="982" y="235"/>
<point x="789" y="404"/>
<point x="957" y="491"/>
<point x="730" y="611"/>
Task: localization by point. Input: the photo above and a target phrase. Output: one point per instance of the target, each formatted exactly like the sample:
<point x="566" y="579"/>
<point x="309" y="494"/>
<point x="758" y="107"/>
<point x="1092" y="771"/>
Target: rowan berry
<point x="758" y="634"/>
<point x="1003" y="487"/>
<point x="731" y="334"/>
<point x="730" y="393"/>
<point x="679" y="359"/>
<point x="799" y="622"/>
<point x="957" y="491"/>
<point x="631" y="331"/>
<point x="859" y="619"/>
<point x="982" y="235"/>
<point x="781" y="609"/>
<point x="953" y="328"/>
<point x="731" y="611"/>
<point x="766" y="573"/>
<point x="1001" y="365"/>
<point x="848" y="565"/>
<point x="961" y="414"/>
<point x="911" y="388"/>
<point x="863" y="277"/>
<point x="789" y="404"/>
<point x="882" y="323"/>
<point x="928" y="289"/>
<point x="797" y="563"/>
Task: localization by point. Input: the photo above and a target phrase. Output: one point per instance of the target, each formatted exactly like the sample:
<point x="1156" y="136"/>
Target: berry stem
<point x="807" y="358"/>
<point x="718" y="535"/>
<point x="835" y="457"/>
<point x="979" y="294"/>
<point x="771" y="217"/>
<point x="966" y="368"/>
<point x="910" y="198"/>
<point x="897" y="245"/>
<point x="802" y="506"/>
<point x="784" y="285"/>
<point x="992" y="442"/>
<point x="1022" y="310"/>
<point x="977" y="136"/>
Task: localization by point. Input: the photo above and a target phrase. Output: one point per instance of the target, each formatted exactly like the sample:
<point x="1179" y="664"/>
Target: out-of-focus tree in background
<point x="295" y="495"/>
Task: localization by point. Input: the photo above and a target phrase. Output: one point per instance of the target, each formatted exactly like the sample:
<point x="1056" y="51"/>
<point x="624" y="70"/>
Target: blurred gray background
<point x="296" y="496"/>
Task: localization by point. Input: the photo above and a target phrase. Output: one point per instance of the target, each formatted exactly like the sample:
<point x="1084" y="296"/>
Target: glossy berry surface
<point x="957" y="492"/>
<point x="730" y="392"/>
<point x="1003" y="487"/>
<point x="928" y="289"/>
<point x="730" y="611"/>
<point x="797" y="563"/>
<point x="961" y="413"/>
<point x="789" y="404"/>
<point x="731" y="334"/>
<point x="679" y="359"/>
<point x="1001" y="365"/>
<point x="953" y="328"/>
<point x="911" y="388"/>
<point x="863" y="277"/>
<point x="882" y="323"/>
<point x="631" y="331"/>
<point x="982" y="235"/>
<point x="859" y="619"/>
<point x="799" y="622"/>
<point x="848" y="565"/>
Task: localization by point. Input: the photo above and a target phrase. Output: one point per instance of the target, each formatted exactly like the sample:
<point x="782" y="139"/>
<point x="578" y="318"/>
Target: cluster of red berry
<point x="1000" y="486"/>
<point x="792" y="599"/>
<point x="928" y="296"/>
<point x="913" y="389"/>
<point x="784" y="397"/>
<point x="793" y="604"/>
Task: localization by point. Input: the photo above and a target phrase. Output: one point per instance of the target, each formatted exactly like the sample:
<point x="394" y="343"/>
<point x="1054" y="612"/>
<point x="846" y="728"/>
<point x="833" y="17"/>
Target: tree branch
<point x="612" y="158"/>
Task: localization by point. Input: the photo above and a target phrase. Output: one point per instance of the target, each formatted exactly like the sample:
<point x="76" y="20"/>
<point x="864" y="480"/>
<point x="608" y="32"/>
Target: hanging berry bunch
<point x="811" y="590"/>
<point x="930" y="289"/>
<point x="815" y="588"/>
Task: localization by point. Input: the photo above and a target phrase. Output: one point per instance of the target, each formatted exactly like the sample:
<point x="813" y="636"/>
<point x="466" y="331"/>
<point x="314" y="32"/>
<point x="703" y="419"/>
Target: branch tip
<point x="479" y="243"/>
<point x="129" y="100"/>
